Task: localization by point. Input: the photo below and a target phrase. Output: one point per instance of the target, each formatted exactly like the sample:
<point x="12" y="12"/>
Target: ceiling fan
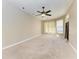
<point x="44" y="13"/>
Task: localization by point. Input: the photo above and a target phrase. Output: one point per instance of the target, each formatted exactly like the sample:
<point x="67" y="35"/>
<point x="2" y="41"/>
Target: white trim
<point x="20" y="42"/>
<point x="74" y="49"/>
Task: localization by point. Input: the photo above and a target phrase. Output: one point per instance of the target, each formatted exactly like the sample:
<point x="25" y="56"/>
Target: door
<point x="67" y="30"/>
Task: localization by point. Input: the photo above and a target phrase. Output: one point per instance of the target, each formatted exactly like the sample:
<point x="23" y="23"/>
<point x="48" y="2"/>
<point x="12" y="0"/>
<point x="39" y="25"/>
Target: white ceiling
<point x="58" y="7"/>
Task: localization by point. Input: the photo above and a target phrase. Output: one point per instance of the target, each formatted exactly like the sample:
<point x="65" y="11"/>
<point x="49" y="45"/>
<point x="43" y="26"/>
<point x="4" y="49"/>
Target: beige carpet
<point x="43" y="47"/>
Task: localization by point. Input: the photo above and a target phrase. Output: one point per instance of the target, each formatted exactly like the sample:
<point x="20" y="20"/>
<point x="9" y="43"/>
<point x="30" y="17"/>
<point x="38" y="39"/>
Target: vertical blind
<point x="49" y="27"/>
<point x="53" y="27"/>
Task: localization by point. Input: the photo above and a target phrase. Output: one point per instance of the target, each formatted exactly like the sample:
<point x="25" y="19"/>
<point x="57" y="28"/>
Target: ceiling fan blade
<point x="48" y="14"/>
<point x="38" y="11"/>
<point x="48" y="11"/>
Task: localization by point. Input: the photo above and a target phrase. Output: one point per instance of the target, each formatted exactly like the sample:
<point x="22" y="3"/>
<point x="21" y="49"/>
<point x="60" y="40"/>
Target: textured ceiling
<point x="58" y="7"/>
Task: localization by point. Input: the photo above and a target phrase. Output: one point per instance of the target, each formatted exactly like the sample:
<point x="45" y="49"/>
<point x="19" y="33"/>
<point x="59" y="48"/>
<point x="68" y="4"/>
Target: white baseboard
<point x="20" y="42"/>
<point x="74" y="49"/>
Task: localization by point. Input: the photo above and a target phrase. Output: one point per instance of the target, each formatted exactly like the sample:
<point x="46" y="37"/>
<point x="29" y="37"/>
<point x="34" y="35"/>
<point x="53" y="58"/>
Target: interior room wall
<point x="73" y="25"/>
<point x="17" y="25"/>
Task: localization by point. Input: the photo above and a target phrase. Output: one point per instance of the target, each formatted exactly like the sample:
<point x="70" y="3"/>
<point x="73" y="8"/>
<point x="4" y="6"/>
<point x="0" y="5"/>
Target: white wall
<point x="16" y="25"/>
<point x="73" y="25"/>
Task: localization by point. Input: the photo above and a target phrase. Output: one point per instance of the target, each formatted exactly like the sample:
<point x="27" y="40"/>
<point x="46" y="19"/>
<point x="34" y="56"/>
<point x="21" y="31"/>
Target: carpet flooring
<point x="43" y="47"/>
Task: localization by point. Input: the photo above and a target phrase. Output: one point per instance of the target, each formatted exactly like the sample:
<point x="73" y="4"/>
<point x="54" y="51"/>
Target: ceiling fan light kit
<point x="43" y="15"/>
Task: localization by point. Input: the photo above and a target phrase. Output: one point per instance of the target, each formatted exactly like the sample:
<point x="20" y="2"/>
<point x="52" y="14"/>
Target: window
<point x="49" y="27"/>
<point x="53" y="26"/>
<point x="59" y="26"/>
